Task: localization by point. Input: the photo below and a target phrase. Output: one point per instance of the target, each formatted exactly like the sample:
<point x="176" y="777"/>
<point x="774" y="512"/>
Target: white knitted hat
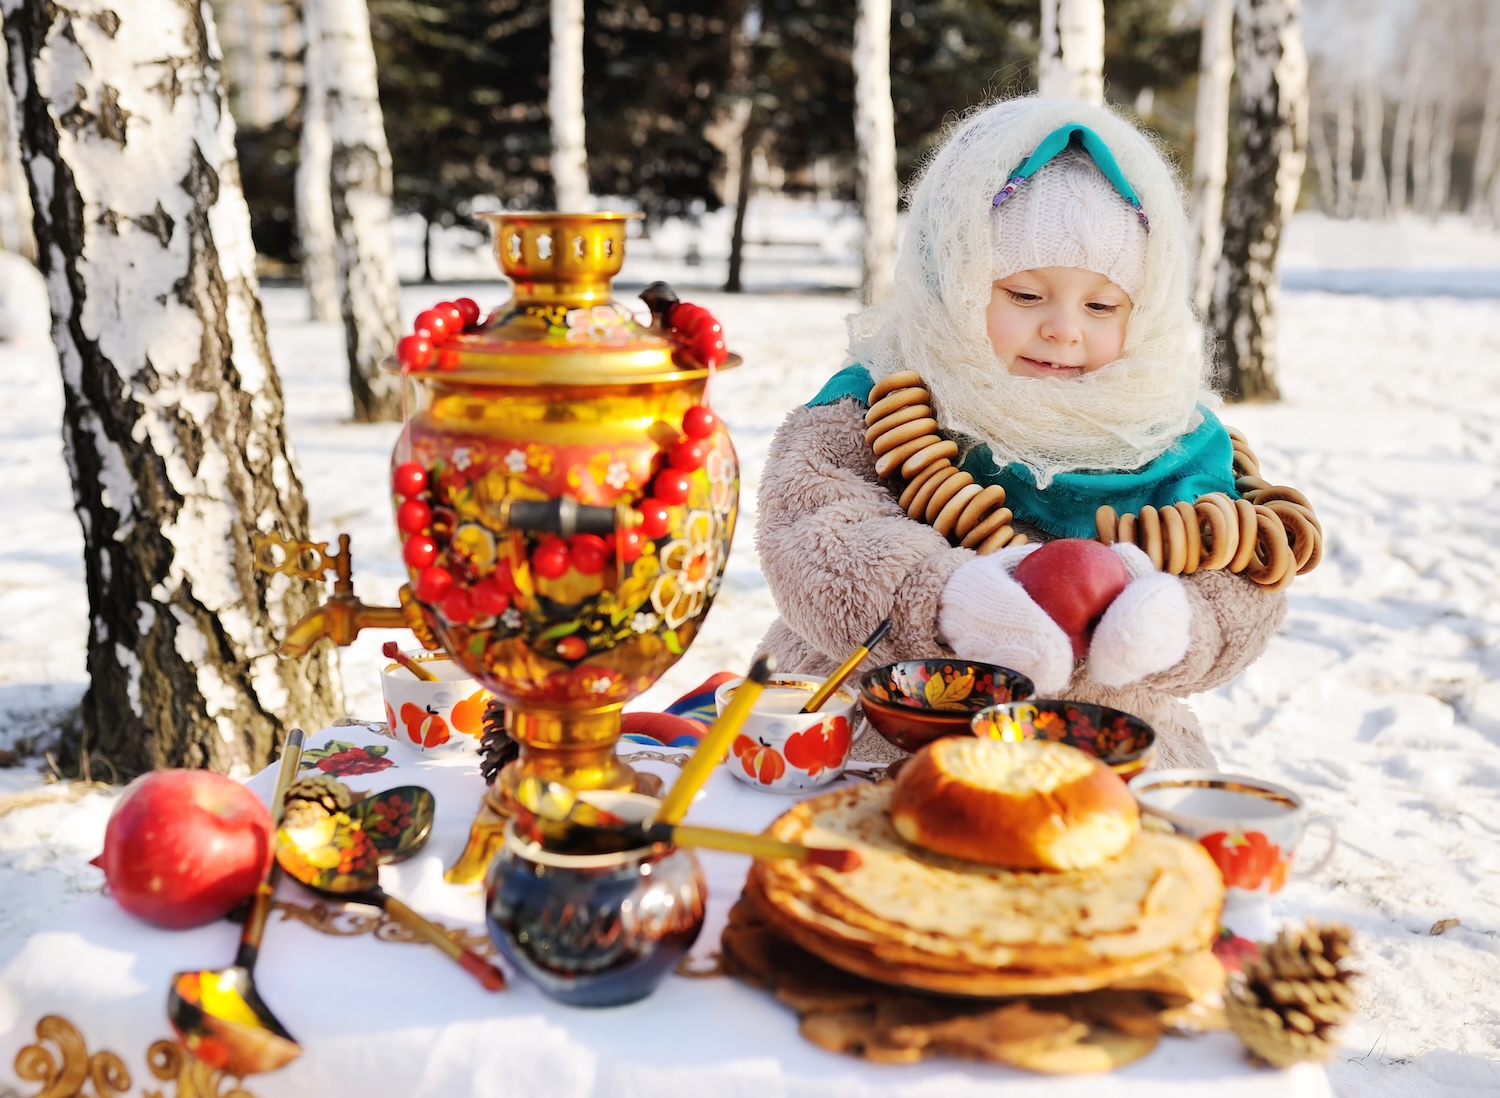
<point x="1067" y="214"/>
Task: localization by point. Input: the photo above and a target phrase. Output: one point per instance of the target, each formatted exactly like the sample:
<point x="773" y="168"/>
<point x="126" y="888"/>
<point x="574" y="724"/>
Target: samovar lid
<point x="561" y="325"/>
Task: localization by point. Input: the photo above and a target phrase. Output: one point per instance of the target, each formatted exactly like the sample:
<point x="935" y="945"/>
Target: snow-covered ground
<point x="1379" y="701"/>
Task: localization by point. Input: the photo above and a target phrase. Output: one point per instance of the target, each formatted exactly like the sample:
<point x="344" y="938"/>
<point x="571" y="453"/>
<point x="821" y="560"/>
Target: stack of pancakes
<point x="913" y="917"/>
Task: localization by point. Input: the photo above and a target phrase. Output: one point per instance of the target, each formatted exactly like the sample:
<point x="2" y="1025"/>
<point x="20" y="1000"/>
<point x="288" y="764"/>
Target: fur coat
<point x="839" y="555"/>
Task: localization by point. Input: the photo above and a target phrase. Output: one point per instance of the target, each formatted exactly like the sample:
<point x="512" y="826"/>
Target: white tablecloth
<point x="380" y="1018"/>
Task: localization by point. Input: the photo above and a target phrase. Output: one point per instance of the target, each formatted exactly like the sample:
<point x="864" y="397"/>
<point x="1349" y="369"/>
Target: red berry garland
<point x="697" y="333"/>
<point x="432" y="328"/>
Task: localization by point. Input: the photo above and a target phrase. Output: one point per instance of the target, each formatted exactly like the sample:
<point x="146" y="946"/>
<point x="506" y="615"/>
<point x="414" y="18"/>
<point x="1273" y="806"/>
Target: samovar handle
<point x="563" y="516"/>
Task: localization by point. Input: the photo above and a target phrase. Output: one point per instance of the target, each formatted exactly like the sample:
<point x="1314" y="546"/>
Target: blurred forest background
<point x="1404" y="98"/>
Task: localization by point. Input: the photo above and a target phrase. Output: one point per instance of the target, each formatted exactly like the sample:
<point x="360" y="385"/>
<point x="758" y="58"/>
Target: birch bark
<point x="1485" y="159"/>
<point x="1272" y="68"/>
<point x="360" y="193"/>
<point x="875" y="132"/>
<point x="1406" y="110"/>
<point x="1344" y="136"/>
<point x="15" y="200"/>
<point x="1071" y="60"/>
<point x="1211" y="143"/>
<point x="173" y="426"/>
<point x="570" y="168"/>
<point x="1370" y="197"/>
<point x="316" y="239"/>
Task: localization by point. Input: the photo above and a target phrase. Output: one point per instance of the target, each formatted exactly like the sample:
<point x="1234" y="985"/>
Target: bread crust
<point x="1079" y="821"/>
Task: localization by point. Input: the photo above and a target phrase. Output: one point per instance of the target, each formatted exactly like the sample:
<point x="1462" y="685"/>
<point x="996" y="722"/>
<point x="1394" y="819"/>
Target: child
<point x="1042" y="298"/>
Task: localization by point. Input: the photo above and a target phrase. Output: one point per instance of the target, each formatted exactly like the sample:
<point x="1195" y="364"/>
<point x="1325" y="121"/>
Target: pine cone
<point x="314" y="798"/>
<point x="1292" y="999"/>
<point x="496" y="748"/>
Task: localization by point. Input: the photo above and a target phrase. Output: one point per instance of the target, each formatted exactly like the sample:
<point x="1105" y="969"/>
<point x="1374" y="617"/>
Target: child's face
<point x="1057" y="321"/>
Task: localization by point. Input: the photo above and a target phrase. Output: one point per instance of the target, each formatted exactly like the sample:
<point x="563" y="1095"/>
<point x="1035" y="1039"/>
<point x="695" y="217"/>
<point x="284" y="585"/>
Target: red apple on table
<point x="184" y="847"/>
<point x="1074" y="580"/>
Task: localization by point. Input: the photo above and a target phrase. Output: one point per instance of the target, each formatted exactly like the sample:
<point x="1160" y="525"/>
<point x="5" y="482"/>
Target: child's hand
<point x="1145" y="630"/>
<point x="987" y="616"/>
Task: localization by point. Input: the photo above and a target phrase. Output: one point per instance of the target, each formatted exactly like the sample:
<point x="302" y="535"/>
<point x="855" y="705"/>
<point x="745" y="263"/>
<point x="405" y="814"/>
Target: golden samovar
<point x="563" y="533"/>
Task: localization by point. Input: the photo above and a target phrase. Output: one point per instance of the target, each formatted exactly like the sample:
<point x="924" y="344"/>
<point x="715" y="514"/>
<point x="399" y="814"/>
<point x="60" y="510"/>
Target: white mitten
<point x="1145" y="630"/>
<point x="987" y="616"/>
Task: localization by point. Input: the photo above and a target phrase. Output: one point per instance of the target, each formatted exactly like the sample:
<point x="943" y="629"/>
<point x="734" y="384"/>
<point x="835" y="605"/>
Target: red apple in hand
<point x="184" y="847"/>
<point x="1074" y="580"/>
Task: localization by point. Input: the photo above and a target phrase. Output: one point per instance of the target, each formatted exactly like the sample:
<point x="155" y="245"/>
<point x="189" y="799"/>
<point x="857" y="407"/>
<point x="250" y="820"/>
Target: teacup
<point x="443" y="717"/>
<point x="1251" y="828"/>
<point x="782" y="750"/>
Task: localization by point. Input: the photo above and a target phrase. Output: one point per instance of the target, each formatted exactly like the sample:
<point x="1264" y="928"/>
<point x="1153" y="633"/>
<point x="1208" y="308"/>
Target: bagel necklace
<point x="1270" y="534"/>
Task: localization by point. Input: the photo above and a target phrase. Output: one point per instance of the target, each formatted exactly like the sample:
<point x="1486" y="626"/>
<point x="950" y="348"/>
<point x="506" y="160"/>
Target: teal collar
<point x="1197" y="463"/>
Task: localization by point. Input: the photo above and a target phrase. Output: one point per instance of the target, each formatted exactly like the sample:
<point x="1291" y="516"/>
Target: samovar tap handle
<point x="563" y="516"/>
<point x="659" y="298"/>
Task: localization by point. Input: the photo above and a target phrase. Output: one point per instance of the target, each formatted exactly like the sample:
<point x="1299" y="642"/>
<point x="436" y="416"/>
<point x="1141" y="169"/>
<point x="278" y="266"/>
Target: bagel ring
<point x="946" y="491"/>
<point x="905" y="432"/>
<point x="1271" y="564"/>
<point x="1106" y="523"/>
<point x="901" y="398"/>
<point x="914" y="486"/>
<point x="999" y="540"/>
<point x="890" y="461"/>
<point x="1282" y="492"/>
<point x="1173" y="540"/>
<point x="989" y="498"/>
<point x="1249" y="529"/>
<point x="947" y="518"/>
<point x="1148" y="535"/>
<point x="1217" y="539"/>
<point x="1192" y="538"/>
<point x="1125" y="531"/>
<point x="1306" y="539"/>
<point x="939" y="448"/>
<point x="901" y="379"/>
<point x="896" y="419"/>
<point x="986" y="526"/>
<point x="918" y="506"/>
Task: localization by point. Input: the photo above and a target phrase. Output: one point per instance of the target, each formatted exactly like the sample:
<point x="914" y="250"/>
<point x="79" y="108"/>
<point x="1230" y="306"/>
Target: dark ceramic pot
<point x="595" y="929"/>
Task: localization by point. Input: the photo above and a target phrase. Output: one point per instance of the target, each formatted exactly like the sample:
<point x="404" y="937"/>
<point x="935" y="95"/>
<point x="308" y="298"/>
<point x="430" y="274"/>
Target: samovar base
<point x="487" y="832"/>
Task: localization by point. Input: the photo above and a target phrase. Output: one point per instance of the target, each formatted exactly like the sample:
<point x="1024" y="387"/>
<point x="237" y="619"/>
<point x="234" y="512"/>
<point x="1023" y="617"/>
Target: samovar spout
<point x="340" y="619"/>
<point x="342" y="616"/>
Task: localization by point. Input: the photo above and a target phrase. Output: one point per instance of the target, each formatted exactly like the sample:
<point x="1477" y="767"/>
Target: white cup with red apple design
<point x="1251" y="828"/>
<point x="782" y="750"/>
<point x="434" y="718"/>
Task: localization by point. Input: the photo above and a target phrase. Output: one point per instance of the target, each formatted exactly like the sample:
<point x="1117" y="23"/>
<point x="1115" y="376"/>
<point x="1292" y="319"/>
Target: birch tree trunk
<point x="1485" y="160"/>
<point x="1344" y="131"/>
<point x="1071" y="60"/>
<point x="1440" y="153"/>
<point x="570" y="166"/>
<point x="745" y="22"/>
<point x="360" y="193"/>
<point x="1211" y="143"/>
<point x="875" y="132"/>
<point x="15" y="222"/>
<point x="1421" y="155"/>
<point x="1406" y="109"/>
<point x="173" y="426"/>
<point x="1370" y="198"/>
<point x="1272" y="68"/>
<point x="315" y="233"/>
<point x="1322" y="162"/>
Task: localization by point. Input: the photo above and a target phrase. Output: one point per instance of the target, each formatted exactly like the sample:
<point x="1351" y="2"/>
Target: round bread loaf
<point x="1028" y="805"/>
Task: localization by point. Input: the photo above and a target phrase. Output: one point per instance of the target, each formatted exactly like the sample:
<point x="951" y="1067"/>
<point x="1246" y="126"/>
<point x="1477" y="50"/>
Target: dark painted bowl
<point x="1122" y="742"/>
<point x="595" y="929"/>
<point x="914" y="702"/>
